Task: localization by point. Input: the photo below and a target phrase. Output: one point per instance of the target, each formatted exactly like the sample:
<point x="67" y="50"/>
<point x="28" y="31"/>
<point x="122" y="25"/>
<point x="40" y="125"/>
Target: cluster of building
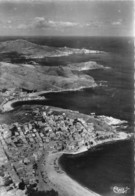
<point x="26" y="144"/>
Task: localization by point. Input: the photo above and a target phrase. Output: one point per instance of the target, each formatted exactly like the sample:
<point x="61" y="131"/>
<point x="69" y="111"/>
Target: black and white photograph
<point x="67" y="97"/>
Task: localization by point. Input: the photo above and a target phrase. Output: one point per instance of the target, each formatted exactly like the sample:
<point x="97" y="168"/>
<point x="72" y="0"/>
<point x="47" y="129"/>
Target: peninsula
<point x="30" y="151"/>
<point x="27" y="65"/>
<point x="30" y="148"/>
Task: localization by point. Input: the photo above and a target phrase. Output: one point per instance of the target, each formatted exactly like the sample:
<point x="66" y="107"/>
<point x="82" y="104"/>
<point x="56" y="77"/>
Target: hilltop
<point x="28" y="65"/>
<point x="25" y="47"/>
<point x="20" y="46"/>
<point x="39" y="51"/>
<point x="42" y="78"/>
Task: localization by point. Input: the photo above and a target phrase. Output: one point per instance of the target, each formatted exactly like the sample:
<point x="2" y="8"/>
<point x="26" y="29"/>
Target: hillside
<point x="21" y="67"/>
<point x="24" y="47"/>
<point x="42" y="78"/>
<point x="37" y="51"/>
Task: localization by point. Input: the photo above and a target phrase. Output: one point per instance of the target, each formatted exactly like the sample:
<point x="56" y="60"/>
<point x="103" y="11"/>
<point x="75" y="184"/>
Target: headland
<point x="30" y="151"/>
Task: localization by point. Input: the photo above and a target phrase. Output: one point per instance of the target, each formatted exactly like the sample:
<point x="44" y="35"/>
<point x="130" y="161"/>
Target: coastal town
<point x="67" y="98"/>
<point x="26" y="147"/>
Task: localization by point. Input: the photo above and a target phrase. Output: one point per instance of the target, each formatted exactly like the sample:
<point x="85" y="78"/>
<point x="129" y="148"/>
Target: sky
<point x="66" y="18"/>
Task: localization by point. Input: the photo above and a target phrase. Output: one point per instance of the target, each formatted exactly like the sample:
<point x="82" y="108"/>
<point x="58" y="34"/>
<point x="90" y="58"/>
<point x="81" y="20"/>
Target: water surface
<point x="103" y="168"/>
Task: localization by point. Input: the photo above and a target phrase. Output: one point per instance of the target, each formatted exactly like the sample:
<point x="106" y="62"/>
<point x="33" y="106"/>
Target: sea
<point x="108" y="169"/>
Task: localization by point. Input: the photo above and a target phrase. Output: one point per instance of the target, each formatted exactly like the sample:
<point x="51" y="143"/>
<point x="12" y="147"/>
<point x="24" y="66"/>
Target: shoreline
<point x="100" y="143"/>
<point x="57" y="177"/>
<point x="62" y="90"/>
<point x="37" y="96"/>
<point x="8" y="106"/>
<point x="61" y="181"/>
<point x="27" y="116"/>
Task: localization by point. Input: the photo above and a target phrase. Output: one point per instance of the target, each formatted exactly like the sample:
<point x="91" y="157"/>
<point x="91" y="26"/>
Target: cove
<point x="103" y="168"/>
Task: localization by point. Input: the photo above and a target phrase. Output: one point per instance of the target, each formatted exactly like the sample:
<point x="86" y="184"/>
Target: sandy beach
<point x="61" y="182"/>
<point x="8" y="106"/>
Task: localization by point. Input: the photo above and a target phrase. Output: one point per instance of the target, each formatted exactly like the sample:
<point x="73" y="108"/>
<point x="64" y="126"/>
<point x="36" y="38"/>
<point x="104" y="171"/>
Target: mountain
<point x="23" y="47"/>
<point x="16" y="45"/>
<point x="20" y="67"/>
<point x="42" y="78"/>
<point x="37" y="51"/>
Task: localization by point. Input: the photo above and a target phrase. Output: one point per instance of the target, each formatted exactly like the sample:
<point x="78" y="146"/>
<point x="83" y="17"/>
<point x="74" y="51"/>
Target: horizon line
<point x="131" y="36"/>
<point x="17" y="35"/>
<point x="55" y="1"/>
